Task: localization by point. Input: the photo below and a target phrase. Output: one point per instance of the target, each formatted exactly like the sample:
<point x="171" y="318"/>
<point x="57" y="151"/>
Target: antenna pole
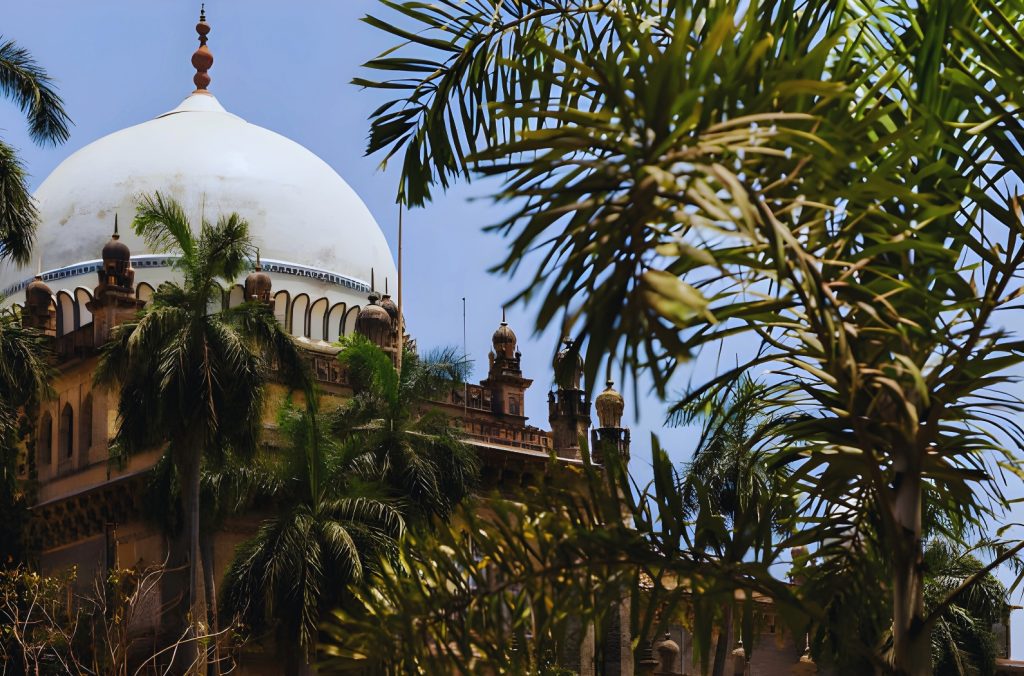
<point x="465" y="360"/>
<point x="401" y="317"/>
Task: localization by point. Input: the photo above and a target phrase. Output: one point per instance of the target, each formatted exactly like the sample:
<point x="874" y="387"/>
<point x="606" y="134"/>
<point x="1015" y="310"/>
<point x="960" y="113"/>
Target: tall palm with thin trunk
<point x="27" y="84"/>
<point x="730" y="478"/>
<point x="189" y="377"/>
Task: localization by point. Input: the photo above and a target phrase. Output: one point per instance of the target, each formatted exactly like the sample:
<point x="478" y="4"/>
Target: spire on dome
<point x="202" y="58"/>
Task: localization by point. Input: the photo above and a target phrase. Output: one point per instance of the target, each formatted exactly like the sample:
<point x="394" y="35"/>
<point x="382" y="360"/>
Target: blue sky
<point x="287" y="67"/>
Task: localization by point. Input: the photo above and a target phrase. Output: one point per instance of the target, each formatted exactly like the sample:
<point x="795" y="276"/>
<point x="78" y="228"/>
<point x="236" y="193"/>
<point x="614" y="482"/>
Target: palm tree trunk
<point x="210" y="588"/>
<point x="190" y="479"/>
<point x="722" y="645"/>
<point x="911" y="645"/>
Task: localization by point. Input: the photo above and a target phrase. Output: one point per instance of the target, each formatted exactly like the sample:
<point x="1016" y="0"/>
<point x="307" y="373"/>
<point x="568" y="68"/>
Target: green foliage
<point x="512" y="585"/>
<point x="962" y="639"/>
<point x="329" y="530"/>
<point x="419" y="454"/>
<point x="344" y="492"/>
<point x="25" y="374"/>
<point x="30" y="87"/>
<point x="833" y="180"/>
<point x="192" y="378"/>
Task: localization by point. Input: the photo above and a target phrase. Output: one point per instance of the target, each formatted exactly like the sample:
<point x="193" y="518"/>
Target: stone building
<point x="322" y="286"/>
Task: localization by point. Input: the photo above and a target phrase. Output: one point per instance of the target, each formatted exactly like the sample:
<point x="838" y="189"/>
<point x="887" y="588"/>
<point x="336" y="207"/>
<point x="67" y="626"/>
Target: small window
<point x="67" y="432"/>
<point x="44" y="444"/>
<point x="85" y="426"/>
<point x="513" y="406"/>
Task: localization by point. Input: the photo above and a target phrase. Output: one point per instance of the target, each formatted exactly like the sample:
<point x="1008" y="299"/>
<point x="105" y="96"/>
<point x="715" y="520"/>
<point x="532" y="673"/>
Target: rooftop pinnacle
<point x="202" y="59"/>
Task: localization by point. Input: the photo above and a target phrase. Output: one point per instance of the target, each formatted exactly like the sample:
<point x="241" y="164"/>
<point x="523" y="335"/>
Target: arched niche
<point x="44" y="440"/>
<point x="300" y="316"/>
<point x="349" y="324"/>
<point x="66" y="435"/>
<point x="67" y="313"/>
<point x="144" y="291"/>
<point x="336" y="322"/>
<point x="318" y="319"/>
<point x="82" y="297"/>
<point x="236" y="295"/>
<point x="282" y="305"/>
<point x="85" y="427"/>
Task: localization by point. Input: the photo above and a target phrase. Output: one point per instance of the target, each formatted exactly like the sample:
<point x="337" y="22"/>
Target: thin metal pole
<point x="401" y="317"/>
<point x="465" y="360"/>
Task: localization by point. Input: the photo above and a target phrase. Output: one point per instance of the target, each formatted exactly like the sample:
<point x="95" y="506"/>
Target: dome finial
<point x="373" y="282"/>
<point x="503" y="320"/>
<point x="116" y="235"/>
<point x="202" y="59"/>
<point x="259" y="263"/>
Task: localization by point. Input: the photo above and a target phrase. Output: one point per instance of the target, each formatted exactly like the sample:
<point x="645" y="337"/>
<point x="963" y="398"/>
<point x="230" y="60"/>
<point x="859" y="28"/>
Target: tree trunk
<point x="190" y="480"/>
<point x="210" y="588"/>
<point x="722" y="645"/>
<point x="911" y="646"/>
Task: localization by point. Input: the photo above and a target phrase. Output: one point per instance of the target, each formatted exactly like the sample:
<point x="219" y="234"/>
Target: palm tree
<point x="420" y="456"/>
<point x="833" y="180"/>
<point x="729" y="478"/>
<point x="28" y="84"/>
<point x="963" y="642"/>
<point x="25" y="373"/>
<point x="191" y="378"/>
<point x="329" y="529"/>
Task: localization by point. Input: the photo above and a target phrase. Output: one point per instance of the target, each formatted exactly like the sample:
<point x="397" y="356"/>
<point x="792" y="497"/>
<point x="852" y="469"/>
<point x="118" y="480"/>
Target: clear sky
<point x="287" y="66"/>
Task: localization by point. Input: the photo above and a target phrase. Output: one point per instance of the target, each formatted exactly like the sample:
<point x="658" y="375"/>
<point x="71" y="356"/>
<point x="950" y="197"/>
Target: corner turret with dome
<point x="318" y="239"/>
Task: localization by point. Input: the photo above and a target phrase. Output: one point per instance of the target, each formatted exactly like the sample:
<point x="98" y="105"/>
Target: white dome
<point x="312" y="229"/>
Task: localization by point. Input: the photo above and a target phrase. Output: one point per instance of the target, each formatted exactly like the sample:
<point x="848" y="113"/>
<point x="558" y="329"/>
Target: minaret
<point x="114" y="301"/>
<point x="505" y="376"/>
<point x="568" y="406"/>
<point x="39" y="312"/>
<point x="610" y="406"/>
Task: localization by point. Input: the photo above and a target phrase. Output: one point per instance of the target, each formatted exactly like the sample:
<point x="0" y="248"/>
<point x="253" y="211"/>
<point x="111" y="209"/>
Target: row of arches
<point x="302" y="316"/>
<point x="59" y="445"/>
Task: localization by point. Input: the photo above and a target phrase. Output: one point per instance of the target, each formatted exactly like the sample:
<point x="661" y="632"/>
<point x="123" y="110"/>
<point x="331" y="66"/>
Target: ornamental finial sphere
<point x="202" y="58"/>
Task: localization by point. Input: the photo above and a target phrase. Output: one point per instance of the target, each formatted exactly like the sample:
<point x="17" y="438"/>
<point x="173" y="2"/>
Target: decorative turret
<point x="505" y="374"/>
<point x="117" y="272"/>
<point x="374" y="322"/>
<point x="568" y="366"/>
<point x="568" y="406"/>
<point x="504" y="340"/>
<point x="114" y="300"/>
<point x="389" y="305"/>
<point x="258" y="284"/>
<point x="610" y="406"/>
<point x="39" y="312"/>
<point x="202" y="58"/>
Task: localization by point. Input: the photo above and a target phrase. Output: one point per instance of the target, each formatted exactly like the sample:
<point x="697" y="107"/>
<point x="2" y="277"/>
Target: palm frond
<point x="25" y="81"/>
